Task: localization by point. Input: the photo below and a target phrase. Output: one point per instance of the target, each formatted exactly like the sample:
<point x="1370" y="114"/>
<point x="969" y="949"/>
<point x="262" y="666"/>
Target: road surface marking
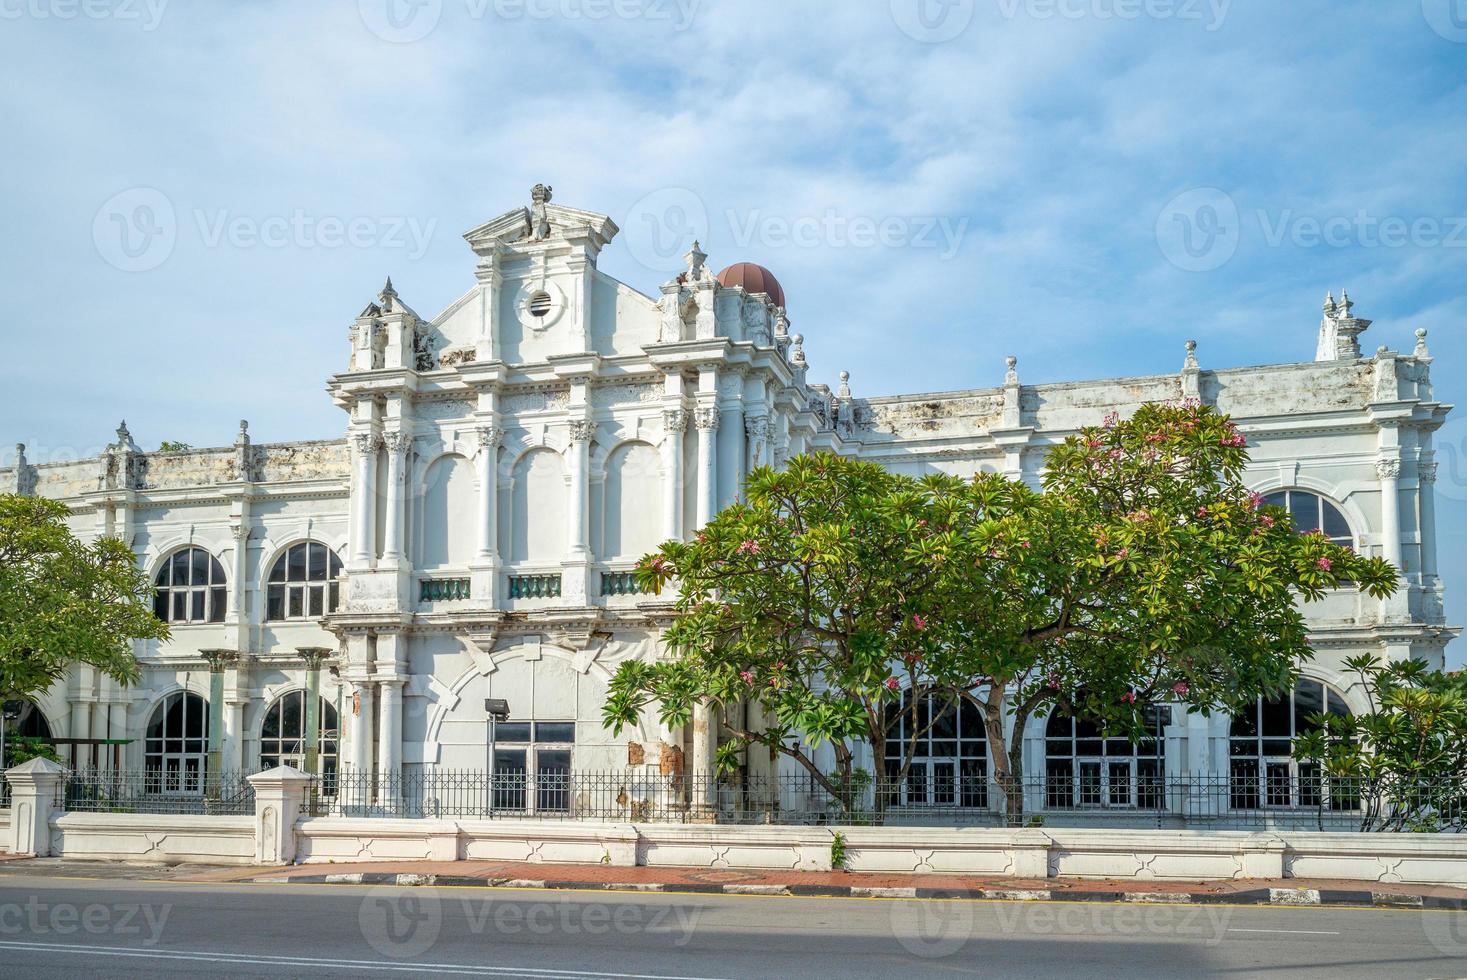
<point x="261" y="959"/>
<point x="1289" y="932"/>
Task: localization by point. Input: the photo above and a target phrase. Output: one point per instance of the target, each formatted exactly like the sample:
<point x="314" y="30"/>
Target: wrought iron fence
<point x="4" y="793"/>
<point x="1218" y="802"/>
<point x="156" y="791"/>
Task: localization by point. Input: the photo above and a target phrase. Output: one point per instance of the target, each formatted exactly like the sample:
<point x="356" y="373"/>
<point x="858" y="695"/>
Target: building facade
<point x="506" y="462"/>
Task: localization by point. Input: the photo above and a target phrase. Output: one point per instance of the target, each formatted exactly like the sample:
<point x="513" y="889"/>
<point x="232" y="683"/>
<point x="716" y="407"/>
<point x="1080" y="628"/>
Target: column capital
<point x="706" y="417"/>
<point x="220" y="660"/>
<point x="314" y="657"/>
<point x="1426" y="472"/>
<point x="490" y="436"/>
<point x="365" y="442"/>
<point x="675" y="420"/>
<point x="1388" y="468"/>
<point x="581" y="430"/>
<point x="397" y="443"/>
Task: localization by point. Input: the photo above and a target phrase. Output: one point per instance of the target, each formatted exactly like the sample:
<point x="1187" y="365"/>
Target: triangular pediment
<point x="516" y="226"/>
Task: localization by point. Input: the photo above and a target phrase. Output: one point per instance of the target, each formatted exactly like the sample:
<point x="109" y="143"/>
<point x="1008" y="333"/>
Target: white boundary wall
<point x="278" y="834"/>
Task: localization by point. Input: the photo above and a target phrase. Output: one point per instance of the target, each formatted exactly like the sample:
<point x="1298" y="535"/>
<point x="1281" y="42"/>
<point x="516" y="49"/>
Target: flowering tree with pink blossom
<point x="1146" y="571"/>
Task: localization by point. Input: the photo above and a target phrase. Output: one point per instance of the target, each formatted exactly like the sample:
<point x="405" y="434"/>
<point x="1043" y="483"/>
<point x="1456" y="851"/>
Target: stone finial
<point x="697" y="261"/>
<point x="1346" y="305"/>
<point x="242" y="438"/>
<point x="19" y="454"/>
<point x="1329" y="304"/>
<point x="1340" y="330"/>
<point x="242" y="467"/>
<point x="540" y="195"/>
<point x="1190" y="364"/>
<point x="1421" y="352"/>
<point x="845" y="385"/>
<point x="1011" y="374"/>
<point x="797" y="353"/>
<point x="25" y="473"/>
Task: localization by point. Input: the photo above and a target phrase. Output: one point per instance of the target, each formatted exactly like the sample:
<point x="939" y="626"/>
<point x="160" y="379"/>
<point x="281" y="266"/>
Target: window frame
<point x="1324" y="506"/>
<point x="1119" y="776"/>
<point x="290" y="748"/>
<point x="191" y="602"/>
<point x="1278" y="781"/>
<point x="177" y="763"/>
<point x="285" y="593"/>
<point x="945" y="771"/>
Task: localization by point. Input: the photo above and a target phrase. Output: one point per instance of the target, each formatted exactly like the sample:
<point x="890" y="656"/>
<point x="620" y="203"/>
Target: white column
<point x="488" y="473"/>
<point x="359" y="724"/>
<point x="239" y="609"/>
<point x="392" y="547"/>
<point x="1426" y="477"/>
<point x="674" y="424"/>
<point x="1389" y="471"/>
<point x="707" y="421"/>
<point x="731" y="452"/>
<point x="364" y="492"/>
<point x="702" y="792"/>
<point x="580" y="505"/>
<point x="389" y="739"/>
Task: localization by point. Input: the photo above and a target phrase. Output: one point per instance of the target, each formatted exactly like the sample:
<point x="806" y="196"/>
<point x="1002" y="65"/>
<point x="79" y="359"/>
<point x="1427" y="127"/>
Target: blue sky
<point x="938" y="183"/>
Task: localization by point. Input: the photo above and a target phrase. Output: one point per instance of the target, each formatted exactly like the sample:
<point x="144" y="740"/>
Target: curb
<point x="1292" y="897"/>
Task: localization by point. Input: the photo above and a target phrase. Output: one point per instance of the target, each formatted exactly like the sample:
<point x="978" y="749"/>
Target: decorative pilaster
<point x="396" y="444"/>
<point x="313" y="657"/>
<point x="490" y="438"/>
<point x="706" y="419"/>
<point x="219" y="661"/>
<point x="1191" y="374"/>
<point x="674" y="425"/>
<point x="580" y="431"/>
<point x="760" y="431"/>
<point x="363" y="547"/>
<point x="731" y="448"/>
<point x="1426" y="478"/>
<point x="389" y="739"/>
<point x="1388" y="469"/>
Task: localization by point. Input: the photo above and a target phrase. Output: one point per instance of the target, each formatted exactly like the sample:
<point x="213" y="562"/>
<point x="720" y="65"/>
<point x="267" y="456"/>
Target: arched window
<point x="283" y="735"/>
<point x="950" y="759"/>
<point x="1264" y="772"/>
<point x="190" y="588"/>
<point x="1311" y="512"/>
<point x="303" y="583"/>
<point x="177" y="745"/>
<point x="1088" y="768"/>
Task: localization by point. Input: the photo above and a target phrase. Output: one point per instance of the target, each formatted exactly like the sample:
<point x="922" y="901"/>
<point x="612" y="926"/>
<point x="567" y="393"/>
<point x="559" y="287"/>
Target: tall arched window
<point x="1311" y="512"/>
<point x="1087" y="768"/>
<point x="283" y="735"/>
<point x="190" y="588"/>
<point x="1264" y="772"/>
<point x="950" y="759"/>
<point x="177" y="745"/>
<point x="303" y="583"/>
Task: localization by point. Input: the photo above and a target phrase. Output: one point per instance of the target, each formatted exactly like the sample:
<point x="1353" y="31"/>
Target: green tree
<point x="1404" y="762"/>
<point x="1144" y="572"/>
<point x="63" y="601"/>
<point x="794" y="602"/>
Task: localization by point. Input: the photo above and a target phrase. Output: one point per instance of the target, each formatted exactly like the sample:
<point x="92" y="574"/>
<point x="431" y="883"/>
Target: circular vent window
<point x="541" y="304"/>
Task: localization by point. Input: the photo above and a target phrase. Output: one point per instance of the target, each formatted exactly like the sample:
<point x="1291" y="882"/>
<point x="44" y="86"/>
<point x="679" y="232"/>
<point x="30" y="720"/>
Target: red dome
<point x="755" y="279"/>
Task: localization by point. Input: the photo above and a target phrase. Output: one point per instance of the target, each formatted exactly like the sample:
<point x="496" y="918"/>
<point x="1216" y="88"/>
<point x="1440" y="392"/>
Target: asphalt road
<point x="69" y="928"/>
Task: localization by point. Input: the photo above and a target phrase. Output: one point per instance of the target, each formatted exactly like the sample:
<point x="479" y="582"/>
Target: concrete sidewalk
<point x="1289" y="891"/>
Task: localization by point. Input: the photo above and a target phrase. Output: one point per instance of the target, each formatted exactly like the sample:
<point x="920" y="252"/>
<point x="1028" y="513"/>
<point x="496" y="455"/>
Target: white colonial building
<point x="508" y="460"/>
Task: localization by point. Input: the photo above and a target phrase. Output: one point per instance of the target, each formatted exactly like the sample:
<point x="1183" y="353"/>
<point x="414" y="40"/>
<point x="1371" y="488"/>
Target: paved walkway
<point x="1288" y="891"/>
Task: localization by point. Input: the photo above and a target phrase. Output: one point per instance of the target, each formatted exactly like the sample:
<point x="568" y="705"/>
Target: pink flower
<point x="779" y="665"/>
<point x="1325" y="564"/>
<point x="747" y="676"/>
<point x="1129" y="697"/>
<point x="1267" y="521"/>
<point x="1180" y="689"/>
<point x="891" y="684"/>
<point x="1123" y="553"/>
<point x="1111" y="419"/>
<point x="918" y="621"/>
<point x="1202" y="512"/>
<point x="1023" y="544"/>
<point x="1255" y="501"/>
<point x="1052" y="682"/>
<point x="1116" y="453"/>
<point x="748" y="547"/>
